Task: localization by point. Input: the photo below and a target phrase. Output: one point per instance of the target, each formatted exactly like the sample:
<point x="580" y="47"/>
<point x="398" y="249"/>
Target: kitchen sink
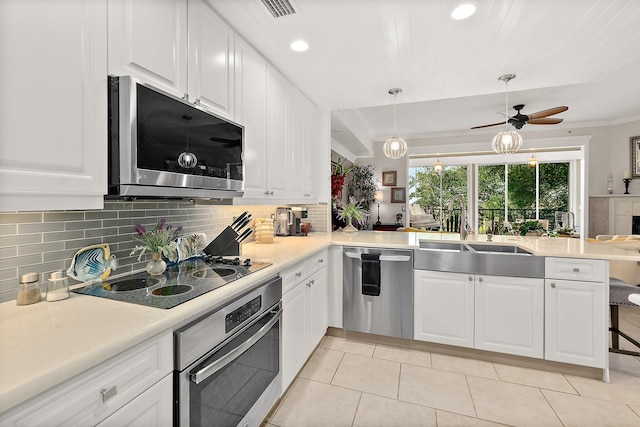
<point x="442" y="246"/>
<point x="498" y="249"/>
<point x="478" y="258"/>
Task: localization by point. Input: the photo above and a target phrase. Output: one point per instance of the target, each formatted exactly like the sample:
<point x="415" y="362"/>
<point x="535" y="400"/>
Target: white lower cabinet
<point x="125" y="382"/>
<point x="443" y="307"/>
<point x="502" y="314"/>
<point x="304" y="314"/>
<point x="153" y="408"/>
<point x="509" y="315"/>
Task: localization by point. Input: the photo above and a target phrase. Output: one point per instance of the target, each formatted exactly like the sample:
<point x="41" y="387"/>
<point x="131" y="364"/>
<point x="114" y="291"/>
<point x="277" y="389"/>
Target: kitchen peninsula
<point x="46" y="344"/>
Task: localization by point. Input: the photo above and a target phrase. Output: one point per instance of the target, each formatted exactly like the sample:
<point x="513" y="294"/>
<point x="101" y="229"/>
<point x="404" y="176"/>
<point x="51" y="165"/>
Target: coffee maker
<point x="288" y="220"/>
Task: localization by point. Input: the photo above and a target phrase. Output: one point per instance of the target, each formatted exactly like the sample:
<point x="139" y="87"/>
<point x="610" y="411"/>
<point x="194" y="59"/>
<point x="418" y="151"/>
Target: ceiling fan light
<point x="395" y="147"/>
<point x="506" y="142"/>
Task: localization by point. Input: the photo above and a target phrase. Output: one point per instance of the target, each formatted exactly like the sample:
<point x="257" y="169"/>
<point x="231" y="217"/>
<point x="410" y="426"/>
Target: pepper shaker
<point x="58" y="286"/>
<point x="29" y="289"/>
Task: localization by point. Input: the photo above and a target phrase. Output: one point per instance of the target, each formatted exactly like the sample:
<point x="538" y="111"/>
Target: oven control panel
<point x="242" y="313"/>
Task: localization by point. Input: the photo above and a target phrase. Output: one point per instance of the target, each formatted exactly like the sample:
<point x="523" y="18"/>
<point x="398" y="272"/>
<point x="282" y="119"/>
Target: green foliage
<point x="527" y="226"/>
<point x="425" y="185"/>
<point x="361" y="186"/>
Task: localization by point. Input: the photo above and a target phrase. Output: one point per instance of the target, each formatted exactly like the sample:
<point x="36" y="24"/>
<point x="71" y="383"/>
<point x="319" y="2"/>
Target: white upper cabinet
<point x="251" y="112"/>
<point x="180" y="46"/>
<point x="279" y="154"/>
<point x="148" y="40"/>
<point x="211" y="55"/>
<point x="53" y="110"/>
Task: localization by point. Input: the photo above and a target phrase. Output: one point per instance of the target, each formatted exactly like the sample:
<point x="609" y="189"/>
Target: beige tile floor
<point x="352" y="383"/>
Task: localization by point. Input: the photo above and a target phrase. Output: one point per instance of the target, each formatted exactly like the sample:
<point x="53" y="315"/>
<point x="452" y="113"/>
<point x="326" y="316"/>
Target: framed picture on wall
<point x="635" y="156"/>
<point x="390" y="179"/>
<point x="398" y="195"/>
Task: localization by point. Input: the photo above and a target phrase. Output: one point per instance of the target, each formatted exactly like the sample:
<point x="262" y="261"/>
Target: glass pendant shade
<point x="437" y="166"/>
<point x="507" y="141"/>
<point x="395" y="147"/>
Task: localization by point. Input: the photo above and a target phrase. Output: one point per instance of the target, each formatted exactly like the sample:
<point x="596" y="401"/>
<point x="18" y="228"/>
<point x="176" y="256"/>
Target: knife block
<point x="224" y="244"/>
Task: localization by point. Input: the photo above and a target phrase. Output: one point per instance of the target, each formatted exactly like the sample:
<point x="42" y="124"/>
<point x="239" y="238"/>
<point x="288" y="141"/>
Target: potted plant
<point x="563" y="232"/>
<point x="531" y="228"/>
<point x="350" y="211"/>
<point x="159" y="241"/>
<point x="362" y="187"/>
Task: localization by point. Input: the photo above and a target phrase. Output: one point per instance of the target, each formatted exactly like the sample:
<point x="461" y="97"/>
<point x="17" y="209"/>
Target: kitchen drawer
<point x="92" y="396"/>
<point x="316" y="261"/>
<point x="305" y="268"/>
<point x="588" y="270"/>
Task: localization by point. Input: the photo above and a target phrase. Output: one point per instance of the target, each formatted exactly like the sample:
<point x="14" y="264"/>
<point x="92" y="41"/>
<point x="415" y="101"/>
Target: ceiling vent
<point x="279" y="8"/>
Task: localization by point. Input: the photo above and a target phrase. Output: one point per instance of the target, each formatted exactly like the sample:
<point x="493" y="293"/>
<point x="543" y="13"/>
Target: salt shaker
<point x="29" y="289"/>
<point x="58" y="286"/>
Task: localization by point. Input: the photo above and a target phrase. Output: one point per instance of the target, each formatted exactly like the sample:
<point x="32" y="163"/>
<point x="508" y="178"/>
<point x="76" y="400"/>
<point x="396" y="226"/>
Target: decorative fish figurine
<point x="92" y="264"/>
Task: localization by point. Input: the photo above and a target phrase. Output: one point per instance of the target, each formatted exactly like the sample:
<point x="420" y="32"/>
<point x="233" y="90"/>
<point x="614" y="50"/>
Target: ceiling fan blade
<point x="547" y="113"/>
<point x="544" y="121"/>
<point x="486" y="126"/>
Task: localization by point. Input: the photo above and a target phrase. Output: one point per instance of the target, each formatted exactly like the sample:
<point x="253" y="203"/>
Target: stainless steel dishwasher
<point x="378" y="291"/>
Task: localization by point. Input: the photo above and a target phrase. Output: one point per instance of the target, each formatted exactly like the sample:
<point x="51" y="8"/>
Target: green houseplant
<point x="362" y="186"/>
<point x="350" y="211"/>
<point x="526" y="227"/>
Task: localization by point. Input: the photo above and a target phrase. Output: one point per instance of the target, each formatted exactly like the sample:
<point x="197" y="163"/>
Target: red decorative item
<point x="338" y="174"/>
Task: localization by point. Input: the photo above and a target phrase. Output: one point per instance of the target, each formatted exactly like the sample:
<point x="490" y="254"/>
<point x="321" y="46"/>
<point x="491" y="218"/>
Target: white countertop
<point x="44" y="344"/>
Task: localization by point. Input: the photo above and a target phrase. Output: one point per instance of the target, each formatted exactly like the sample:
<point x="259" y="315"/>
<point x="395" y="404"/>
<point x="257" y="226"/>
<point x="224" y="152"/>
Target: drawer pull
<point x="553" y="285"/>
<point x="576" y="270"/>
<point x="471" y="278"/>
<point x="298" y="274"/>
<point x="320" y="261"/>
<point x="108" y="393"/>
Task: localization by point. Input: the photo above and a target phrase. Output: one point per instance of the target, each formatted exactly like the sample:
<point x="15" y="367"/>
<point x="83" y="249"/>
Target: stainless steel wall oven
<point x="227" y="365"/>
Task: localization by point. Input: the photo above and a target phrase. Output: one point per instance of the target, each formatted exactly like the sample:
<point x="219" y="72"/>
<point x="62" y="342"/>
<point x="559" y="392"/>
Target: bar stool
<point x="620" y="293"/>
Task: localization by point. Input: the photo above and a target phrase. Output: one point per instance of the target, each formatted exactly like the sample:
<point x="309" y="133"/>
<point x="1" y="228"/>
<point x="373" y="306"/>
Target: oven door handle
<point x="214" y="367"/>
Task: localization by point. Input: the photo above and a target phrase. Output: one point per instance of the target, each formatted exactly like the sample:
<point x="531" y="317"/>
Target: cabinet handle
<point x="320" y="261"/>
<point x="299" y="274"/>
<point x="270" y="193"/>
<point x="108" y="393"/>
<point x="576" y="270"/>
<point x="185" y="97"/>
<point x="479" y="279"/>
<point x="198" y="102"/>
<point x="471" y="278"/>
<point x="553" y="285"/>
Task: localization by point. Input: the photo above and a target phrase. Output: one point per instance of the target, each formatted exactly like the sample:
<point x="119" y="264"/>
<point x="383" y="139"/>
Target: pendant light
<point x="395" y="147"/>
<point x="507" y="141"/>
<point x="187" y="159"/>
<point x="437" y="166"/>
<point x="532" y="161"/>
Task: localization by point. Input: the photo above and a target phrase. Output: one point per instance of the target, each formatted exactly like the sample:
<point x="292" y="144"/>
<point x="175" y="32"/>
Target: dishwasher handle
<point x="392" y="258"/>
<point x="205" y="372"/>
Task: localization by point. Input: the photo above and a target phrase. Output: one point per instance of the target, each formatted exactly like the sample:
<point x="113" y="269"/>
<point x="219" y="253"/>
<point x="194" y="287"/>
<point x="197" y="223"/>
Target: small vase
<point x="156" y="266"/>
<point x="349" y="228"/>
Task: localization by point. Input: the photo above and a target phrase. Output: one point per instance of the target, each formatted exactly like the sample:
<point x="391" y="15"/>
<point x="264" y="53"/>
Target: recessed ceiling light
<point x="299" y="45"/>
<point x="463" y="11"/>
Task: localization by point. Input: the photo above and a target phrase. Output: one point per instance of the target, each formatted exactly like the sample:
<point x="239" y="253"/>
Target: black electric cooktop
<point x="179" y="283"/>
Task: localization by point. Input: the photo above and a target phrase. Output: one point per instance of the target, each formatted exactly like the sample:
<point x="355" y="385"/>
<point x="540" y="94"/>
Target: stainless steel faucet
<point x="464" y="227"/>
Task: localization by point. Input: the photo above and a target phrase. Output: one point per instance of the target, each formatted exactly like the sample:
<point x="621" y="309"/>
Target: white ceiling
<point x="581" y="53"/>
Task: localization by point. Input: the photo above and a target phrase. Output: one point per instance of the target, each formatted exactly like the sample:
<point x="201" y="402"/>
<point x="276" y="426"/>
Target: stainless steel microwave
<point x="161" y="146"/>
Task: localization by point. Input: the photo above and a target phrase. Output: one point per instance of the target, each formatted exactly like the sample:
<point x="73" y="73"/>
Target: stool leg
<point x="615" y="341"/>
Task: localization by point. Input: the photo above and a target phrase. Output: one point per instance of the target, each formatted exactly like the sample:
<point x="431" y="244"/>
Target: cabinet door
<point x="152" y="408"/>
<point x="251" y="112"/>
<point x="509" y="315"/>
<point x="317" y="306"/>
<point x="148" y="40"/>
<point x="294" y="333"/>
<point x="576" y="322"/>
<point x="298" y="139"/>
<point x="443" y="307"/>
<point x="53" y="110"/>
<point x="279" y="154"/>
<point x="210" y="64"/>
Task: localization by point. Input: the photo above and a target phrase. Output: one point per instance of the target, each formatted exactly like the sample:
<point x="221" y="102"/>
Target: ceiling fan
<point x="539" y="118"/>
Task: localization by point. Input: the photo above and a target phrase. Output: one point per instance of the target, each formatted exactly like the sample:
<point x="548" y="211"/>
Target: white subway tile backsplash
<point x="43" y="242"/>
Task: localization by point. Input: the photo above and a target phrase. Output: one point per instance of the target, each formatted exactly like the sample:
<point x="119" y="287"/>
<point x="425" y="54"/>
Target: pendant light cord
<point x="395" y="115"/>
<point x="506" y="105"/>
